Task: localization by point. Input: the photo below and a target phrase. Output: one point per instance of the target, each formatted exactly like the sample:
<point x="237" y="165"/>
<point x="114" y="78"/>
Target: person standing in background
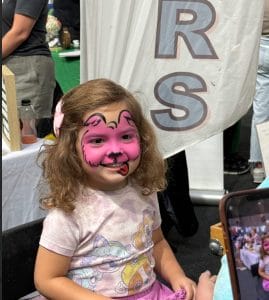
<point x="68" y="13"/>
<point x="261" y="100"/>
<point x="175" y="202"/>
<point x="26" y="53"/>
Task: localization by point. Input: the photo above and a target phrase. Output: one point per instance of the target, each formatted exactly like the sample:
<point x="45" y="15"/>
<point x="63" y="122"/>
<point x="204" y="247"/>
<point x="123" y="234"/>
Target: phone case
<point x="227" y="199"/>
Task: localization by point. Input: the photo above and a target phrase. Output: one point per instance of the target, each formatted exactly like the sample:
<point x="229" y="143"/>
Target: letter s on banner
<point x="177" y="91"/>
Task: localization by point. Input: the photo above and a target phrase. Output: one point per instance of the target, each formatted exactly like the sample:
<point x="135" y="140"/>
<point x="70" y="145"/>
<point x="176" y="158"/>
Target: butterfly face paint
<point x="111" y="144"/>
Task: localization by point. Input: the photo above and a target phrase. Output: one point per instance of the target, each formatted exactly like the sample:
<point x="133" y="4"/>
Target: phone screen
<point x="245" y="216"/>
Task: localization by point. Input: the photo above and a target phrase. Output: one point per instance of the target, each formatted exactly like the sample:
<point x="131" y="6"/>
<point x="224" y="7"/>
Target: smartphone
<point x="245" y="220"/>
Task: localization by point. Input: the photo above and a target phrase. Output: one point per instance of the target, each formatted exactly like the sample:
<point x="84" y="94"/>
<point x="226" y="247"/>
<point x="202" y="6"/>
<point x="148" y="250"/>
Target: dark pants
<point x="44" y="126"/>
<point x="175" y="203"/>
<point x="231" y="139"/>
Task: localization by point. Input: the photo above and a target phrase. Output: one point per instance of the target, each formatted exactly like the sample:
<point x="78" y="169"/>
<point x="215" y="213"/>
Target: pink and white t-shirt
<point x="109" y="239"/>
<point x="264" y="264"/>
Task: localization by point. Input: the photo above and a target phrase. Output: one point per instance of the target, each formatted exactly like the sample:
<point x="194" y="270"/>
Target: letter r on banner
<point x="188" y="19"/>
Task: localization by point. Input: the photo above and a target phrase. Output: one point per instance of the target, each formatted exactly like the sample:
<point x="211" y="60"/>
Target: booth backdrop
<point x="192" y="64"/>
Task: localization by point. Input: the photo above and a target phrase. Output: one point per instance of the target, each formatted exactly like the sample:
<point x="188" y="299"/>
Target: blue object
<point x="223" y="288"/>
<point x="265" y="183"/>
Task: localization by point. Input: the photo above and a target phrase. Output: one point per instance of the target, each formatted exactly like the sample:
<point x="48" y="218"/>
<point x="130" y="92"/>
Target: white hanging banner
<point x="192" y="63"/>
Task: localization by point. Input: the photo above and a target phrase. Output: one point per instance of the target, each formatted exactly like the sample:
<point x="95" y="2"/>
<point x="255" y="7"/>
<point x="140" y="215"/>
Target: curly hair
<point x="62" y="167"/>
<point x="262" y="252"/>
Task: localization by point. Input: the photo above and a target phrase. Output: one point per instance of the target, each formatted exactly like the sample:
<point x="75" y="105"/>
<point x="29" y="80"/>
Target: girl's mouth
<point x="121" y="168"/>
<point x="114" y="165"/>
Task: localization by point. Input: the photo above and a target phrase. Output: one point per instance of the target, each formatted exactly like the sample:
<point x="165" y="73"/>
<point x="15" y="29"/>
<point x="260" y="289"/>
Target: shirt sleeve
<point x="157" y="217"/>
<point x="30" y="8"/>
<point x="60" y="233"/>
<point x="261" y="264"/>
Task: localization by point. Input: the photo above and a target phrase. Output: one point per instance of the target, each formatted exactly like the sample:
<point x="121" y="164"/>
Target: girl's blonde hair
<point x="62" y="167"/>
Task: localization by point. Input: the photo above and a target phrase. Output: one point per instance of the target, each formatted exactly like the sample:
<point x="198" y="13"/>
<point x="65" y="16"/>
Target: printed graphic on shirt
<point x="135" y="274"/>
<point x="86" y="277"/>
<point x="133" y="262"/>
<point x="143" y="237"/>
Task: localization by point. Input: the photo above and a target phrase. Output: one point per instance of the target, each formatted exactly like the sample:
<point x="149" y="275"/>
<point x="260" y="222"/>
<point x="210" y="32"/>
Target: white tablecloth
<point x="20" y="192"/>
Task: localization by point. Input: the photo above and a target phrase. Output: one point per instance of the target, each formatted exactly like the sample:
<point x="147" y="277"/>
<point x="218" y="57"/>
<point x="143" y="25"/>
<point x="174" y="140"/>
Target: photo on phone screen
<point x="245" y="218"/>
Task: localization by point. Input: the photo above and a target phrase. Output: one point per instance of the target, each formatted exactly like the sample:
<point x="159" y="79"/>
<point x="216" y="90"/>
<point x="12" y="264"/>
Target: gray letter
<point x="176" y="90"/>
<point x="171" y="25"/>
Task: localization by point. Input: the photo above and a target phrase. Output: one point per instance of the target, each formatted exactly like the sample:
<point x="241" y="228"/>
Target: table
<point x="67" y="69"/>
<point x="20" y="185"/>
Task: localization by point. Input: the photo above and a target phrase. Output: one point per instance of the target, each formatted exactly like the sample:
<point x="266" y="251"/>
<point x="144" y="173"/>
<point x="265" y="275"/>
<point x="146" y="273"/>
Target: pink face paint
<point x="111" y="144"/>
<point x="266" y="245"/>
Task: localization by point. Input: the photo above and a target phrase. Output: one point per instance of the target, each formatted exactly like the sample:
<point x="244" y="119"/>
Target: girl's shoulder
<point x="59" y="214"/>
<point x="266" y="258"/>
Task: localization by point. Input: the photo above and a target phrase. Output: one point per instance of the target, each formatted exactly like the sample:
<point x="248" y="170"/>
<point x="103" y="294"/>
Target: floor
<point x="193" y="252"/>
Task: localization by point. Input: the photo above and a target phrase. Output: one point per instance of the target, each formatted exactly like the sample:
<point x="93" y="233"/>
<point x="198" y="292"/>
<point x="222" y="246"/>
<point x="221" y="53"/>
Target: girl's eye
<point x="96" y="141"/>
<point x="127" y="137"/>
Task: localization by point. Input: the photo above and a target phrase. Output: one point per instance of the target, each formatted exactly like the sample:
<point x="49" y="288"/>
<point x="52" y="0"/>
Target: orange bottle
<point x="27" y="121"/>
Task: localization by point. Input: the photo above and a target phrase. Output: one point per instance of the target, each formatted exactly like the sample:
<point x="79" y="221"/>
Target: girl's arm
<point x="51" y="281"/>
<point x="168" y="267"/>
<point x="263" y="274"/>
<point x="18" y="33"/>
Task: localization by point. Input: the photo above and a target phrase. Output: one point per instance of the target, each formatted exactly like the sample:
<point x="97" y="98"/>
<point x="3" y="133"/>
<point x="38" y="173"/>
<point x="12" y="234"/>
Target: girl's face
<point x="266" y="245"/>
<point x="109" y="146"/>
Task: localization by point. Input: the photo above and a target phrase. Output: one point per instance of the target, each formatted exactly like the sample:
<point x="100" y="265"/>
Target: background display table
<point x="21" y="176"/>
<point x="67" y="69"/>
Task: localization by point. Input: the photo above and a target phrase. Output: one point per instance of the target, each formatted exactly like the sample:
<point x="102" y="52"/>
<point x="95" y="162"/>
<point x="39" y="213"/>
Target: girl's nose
<point x="114" y="155"/>
<point x="114" y="149"/>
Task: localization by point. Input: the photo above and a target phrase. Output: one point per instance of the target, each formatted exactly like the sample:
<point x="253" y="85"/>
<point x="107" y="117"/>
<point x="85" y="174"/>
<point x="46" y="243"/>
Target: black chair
<point x="19" y="248"/>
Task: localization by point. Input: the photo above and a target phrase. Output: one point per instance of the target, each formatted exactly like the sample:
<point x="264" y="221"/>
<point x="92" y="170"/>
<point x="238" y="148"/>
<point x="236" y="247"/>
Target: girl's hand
<point x="187" y="284"/>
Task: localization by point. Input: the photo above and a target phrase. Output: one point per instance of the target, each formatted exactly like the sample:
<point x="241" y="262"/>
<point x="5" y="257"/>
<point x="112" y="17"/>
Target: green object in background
<point x="67" y="70"/>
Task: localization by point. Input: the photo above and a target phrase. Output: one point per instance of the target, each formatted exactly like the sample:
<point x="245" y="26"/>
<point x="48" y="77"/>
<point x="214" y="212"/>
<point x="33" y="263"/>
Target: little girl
<point x="101" y="238"/>
<point x="264" y="262"/>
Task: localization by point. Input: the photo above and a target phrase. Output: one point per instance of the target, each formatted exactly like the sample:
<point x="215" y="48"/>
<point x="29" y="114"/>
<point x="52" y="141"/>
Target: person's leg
<point x="44" y="100"/>
<point x="36" y="84"/>
<point x="231" y="138"/>
<point x="260" y="110"/>
<point x="45" y="80"/>
<point x="234" y="164"/>
<point x="44" y="126"/>
<point x="24" y="80"/>
<point x="176" y="206"/>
